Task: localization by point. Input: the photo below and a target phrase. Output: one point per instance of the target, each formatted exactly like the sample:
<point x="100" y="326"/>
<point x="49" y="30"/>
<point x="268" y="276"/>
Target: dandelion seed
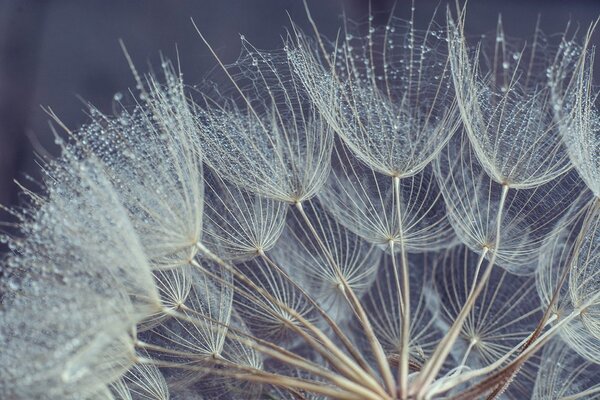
<point x="274" y="143"/>
<point x="562" y="374"/>
<point x="512" y="130"/>
<point x="581" y="126"/>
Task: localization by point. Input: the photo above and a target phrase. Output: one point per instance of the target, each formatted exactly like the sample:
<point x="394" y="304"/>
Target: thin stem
<point x="164" y="350"/>
<point x="316" y="345"/>
<point x="325" y="347"/>
<point x="290" y="359"/>
<point x="258" y="376"/>
<point x="381" y="359"/>
<point x="548" y="316"/>
<point x="404" y="348"/>
<point x="334" y="326"/>
<point x="462" y="378"/>
<point x="501" y="375"/>
<point x="472" y="344"/>
<point x="434" y="364"/>
<point x="583" y="394"/>
<point x="543" y="339"/>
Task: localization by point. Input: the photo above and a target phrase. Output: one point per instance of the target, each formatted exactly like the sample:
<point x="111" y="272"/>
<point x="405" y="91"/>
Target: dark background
<point x="54" y="53"/>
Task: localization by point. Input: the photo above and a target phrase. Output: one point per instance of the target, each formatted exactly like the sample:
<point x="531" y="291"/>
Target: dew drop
<point x="14" y="284"/>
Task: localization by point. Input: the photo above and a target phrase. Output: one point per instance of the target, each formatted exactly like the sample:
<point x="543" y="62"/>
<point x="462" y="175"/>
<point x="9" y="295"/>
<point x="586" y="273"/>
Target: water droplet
<point x="14" y="284"/>
<point x="118" y="96"/>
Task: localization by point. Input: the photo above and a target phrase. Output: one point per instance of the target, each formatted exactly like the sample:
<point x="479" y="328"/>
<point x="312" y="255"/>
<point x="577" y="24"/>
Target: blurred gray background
<point x="53" y="53"/>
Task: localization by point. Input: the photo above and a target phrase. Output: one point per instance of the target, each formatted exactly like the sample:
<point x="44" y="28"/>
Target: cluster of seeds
<point x="397" y="214"/>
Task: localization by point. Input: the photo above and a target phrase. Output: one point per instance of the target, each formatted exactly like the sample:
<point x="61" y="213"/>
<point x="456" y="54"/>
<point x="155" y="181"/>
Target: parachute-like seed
<point x="565" y="375"/>
<point x="363" y="201"/>
<point x="502" y="319"/>
<point x="529" y="215"/>
<point x="385" y="310"/>
<point x="164" y="199"/>
<point x="394" y="117"/>
<point x="209" y="303"/>
<point x="507" y="105"/>
<point x="239" y="225"/>
<point x="581" y="125"/>
<point x="141" y="382"/>
<point x="235" y="355"/>
<point x="264" y="318"/>
<point x="583" y="334"/>
<point x="274" y="143"/>
<point x="568" y="282"/>
<point x="355" y="261"/>
<point x="173" y="285"/>
<point x="387" y="95"/>
<point x="84" y="284"/>
<point x="503" y="316"/>
<point x="556" y="259"/>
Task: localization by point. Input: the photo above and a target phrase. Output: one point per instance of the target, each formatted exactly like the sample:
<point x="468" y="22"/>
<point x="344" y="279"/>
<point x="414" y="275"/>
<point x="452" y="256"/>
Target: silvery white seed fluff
<point x="399" y="213"/>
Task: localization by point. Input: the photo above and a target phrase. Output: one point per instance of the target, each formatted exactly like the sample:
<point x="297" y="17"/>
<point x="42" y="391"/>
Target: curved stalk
<point x="257" y="376"/>
<point x="290" y="359"/>
<point x="325" y="347"/>
<point x="507" y="372"/>
<point x="404" y="348"/>
<point x="436" y="361"/>
<point x="336" y="329"/>
<point x="381" y="359"/>
<point x="548" y="317"/>
<point x="462" y="378"/>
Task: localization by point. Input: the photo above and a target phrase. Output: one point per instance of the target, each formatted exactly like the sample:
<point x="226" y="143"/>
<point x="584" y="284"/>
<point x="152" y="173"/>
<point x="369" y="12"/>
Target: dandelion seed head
<point x="395" y="214"/>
